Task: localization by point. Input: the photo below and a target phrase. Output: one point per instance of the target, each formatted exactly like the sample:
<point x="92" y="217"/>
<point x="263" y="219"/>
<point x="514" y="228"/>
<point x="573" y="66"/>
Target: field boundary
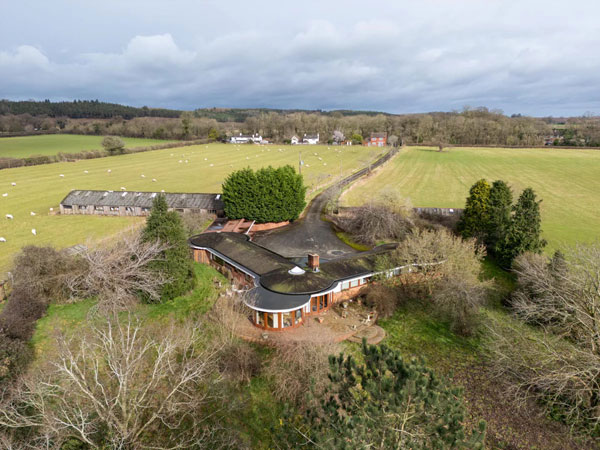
<point x="11" y="163"/>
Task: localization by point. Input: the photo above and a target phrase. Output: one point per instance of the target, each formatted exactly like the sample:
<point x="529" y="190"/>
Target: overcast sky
<point x="536" y="57"/>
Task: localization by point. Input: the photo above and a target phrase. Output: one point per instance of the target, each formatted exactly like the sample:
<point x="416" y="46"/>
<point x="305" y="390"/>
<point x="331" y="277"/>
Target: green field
<point x="567" y="180"/>
<point x="52" y="144"/>
<point x="40" y="188"/>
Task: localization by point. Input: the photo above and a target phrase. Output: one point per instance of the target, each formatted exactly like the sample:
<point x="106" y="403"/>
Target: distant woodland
<point x="471" y="126"/>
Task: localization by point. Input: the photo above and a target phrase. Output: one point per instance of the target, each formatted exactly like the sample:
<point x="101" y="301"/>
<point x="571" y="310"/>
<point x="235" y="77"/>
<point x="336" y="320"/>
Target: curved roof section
<point x="331" y="272"/>
<point x="264" y="299"/>
<point x="238" y="248"/>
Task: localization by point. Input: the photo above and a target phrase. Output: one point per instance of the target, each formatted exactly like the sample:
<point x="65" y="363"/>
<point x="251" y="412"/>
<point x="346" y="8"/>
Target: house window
<point x="298" y="317"/>
<point x="353" y="283"/>
<point x="287" y="320"/>
<point x="67" y="207"/>
<point x="129" y="209"/>
<point x="217" y="260"/>
<point x="114" y="208"/>
<point x="345" y="285"/>
<point x="260" y="319"/>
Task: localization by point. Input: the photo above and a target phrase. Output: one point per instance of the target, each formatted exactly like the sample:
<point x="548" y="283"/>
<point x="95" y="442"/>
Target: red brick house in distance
<point x="377" y="140"/>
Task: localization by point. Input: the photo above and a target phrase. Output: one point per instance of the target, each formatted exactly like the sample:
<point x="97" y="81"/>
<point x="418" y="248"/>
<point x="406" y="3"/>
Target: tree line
<point x="471" y="126"/>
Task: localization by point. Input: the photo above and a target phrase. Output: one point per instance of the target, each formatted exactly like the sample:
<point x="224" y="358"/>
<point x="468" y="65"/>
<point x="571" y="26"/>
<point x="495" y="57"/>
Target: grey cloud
<point x="406" y="57"/>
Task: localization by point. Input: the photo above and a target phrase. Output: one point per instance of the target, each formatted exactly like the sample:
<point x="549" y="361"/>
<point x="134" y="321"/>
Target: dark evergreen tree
<point x="167" y="227"/>
<point x="267" y="195"/>
<point x="499" y="215"/>
<point x="474" y="220"/>
<point x="525" y="231"/>
<point x="385" y="402"/>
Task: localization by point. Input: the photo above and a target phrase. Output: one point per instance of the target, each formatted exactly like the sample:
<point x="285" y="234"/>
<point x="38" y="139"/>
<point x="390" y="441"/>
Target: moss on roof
<point x="238" y="248"/>
<point x="331" y="272"/>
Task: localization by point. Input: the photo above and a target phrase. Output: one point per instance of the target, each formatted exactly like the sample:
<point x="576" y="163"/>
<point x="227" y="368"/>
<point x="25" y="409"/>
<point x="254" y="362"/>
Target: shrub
<point x="382" y="298"/>
<point x="239" y="361"/>
<point x="113" y="144"/>
<point x="15" y="354"/>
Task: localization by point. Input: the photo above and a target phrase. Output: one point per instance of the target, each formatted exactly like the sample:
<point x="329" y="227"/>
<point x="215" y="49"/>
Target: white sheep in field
<point x="143" y="176"/>
<point x="9" y="216"/>
<point x="123" y="188"/>
<point x="13" y="184"/>
<point x="5" y="195"/>
<point x="154" y="180"/>
<point x="34" y="231"/>
<point x="85" y="171"/>
<point x="62" y="175"/>
<point x="32" y="213"/>
<point x="2" y="239"/>
<point x="109" y="171"/>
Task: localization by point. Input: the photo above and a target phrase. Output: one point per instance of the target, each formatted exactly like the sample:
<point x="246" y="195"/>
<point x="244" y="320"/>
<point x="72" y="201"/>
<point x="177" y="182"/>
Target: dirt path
<point x="311" y="234"/>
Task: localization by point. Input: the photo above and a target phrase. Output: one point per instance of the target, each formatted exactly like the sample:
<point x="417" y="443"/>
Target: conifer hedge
<point x="267" y="195"/>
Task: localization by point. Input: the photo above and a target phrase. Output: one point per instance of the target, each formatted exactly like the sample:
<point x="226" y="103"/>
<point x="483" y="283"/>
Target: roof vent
<point x="296" y="271"/>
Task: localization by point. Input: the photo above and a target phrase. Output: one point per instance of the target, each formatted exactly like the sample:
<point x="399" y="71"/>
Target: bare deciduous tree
<point x="560" y="361"/>
<point x="124" y="386"/>
<point x="119" y="274"/>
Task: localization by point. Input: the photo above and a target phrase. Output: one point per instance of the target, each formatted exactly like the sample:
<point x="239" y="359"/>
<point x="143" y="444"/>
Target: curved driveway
<point x="311" y="234"/>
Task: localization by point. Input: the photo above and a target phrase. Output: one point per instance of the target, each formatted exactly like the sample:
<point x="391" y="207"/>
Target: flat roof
<point x="241" y="250"/>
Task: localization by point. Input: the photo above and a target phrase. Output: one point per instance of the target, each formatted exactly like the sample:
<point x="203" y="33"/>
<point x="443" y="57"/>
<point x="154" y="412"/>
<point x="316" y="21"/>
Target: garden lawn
<point x="567" y="180"/>
<point x="200" y="168"/>
<point x="52" y="144"/>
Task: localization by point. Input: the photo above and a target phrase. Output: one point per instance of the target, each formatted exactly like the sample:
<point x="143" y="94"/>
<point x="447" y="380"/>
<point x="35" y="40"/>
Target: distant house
<point x="126" y="203"/>
<point x="294" y="140"/>
<point x="377" y="140"/>
<point x="244" y="139"/>
<point x="310" y="139"/>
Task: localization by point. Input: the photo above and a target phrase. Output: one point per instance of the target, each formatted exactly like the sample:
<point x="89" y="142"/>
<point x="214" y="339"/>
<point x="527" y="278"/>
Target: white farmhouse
<point x="244" y="139"/>
<point x="310" y="139"/>
<point x="295" y="140"/>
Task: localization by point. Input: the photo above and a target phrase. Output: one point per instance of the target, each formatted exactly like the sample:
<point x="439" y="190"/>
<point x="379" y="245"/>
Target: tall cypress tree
<point x="167" y="227"/>
<point x="499" y="215"/>
<point x="474" y="220"/>
<point x="525" y="231"/>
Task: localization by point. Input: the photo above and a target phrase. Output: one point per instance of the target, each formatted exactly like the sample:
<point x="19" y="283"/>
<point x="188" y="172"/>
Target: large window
<point x="260" y="319"/>
<point x="298" y="317"/>
<point x="288" y="320"/>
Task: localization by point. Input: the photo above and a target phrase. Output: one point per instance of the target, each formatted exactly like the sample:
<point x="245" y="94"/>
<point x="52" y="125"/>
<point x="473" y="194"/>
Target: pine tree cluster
<point x="267" y="195"/>
<point x="507" y="230"/>
<point x="383" y="402"/>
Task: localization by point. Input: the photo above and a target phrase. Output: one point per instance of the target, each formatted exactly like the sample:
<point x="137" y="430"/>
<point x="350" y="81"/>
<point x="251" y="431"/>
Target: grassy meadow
<point x="52" y="144"/>
<point x="199" y="168"/>
<point x="568" y="182"/>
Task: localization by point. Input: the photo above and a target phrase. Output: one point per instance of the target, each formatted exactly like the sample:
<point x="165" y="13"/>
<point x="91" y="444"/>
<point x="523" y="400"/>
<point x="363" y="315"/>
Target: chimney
<point x="313" y="262"/>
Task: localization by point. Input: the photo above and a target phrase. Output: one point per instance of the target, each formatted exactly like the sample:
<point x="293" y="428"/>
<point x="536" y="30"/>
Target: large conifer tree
<point x="382" y="402"/>
<point x="499" y="215"/>
<point x="474" y="220"/>
<point x="167" y="227"/>
<point x="525" y="231"/>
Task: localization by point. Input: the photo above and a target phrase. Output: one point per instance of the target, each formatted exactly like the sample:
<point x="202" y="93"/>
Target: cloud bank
<point x="438" y="55"/>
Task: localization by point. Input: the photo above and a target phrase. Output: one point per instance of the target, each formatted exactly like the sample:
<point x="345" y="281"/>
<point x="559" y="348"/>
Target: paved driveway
<point x="311" y="234"/>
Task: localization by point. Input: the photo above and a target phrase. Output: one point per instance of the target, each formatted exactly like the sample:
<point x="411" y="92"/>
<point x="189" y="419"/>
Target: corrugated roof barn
<point x="135" y="202"/>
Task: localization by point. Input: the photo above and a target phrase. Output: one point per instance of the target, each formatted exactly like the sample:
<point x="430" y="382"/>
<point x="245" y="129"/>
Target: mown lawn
<point x="52" y="144"/>
<point x="199" y="168"/>
<point x="568" y="182"/>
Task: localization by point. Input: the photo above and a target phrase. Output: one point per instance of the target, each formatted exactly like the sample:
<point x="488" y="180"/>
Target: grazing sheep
<point x="14" y="184"/>
<point x="9" y="216"/>
<point x="61" y="175"/>
<point x="32" y="213"/>
<point x="2" y="239"/>
<point x="5" y="195"/>
<point x="34" y="231"/>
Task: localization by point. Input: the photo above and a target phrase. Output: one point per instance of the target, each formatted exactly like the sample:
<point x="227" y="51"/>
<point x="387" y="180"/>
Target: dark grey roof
<point x="262" y="298"/>
<point x="143" y="199"/>
<point x="311" y="136"/>
<point x="238" y="248"/>
<point x="378" y="135"/>
<point x="331" y="272"/>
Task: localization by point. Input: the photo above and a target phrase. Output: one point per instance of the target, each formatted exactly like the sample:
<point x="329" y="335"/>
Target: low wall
<point x="268" y="226"/>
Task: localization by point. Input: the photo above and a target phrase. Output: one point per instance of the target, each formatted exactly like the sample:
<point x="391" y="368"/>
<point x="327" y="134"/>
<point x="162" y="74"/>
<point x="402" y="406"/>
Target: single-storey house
<point x="244" y="139"/>
<point x="377" y="140"/>
<point x="127" y="203"/>
<point x="281" y="294"/>
<point x="294" y="140"/>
